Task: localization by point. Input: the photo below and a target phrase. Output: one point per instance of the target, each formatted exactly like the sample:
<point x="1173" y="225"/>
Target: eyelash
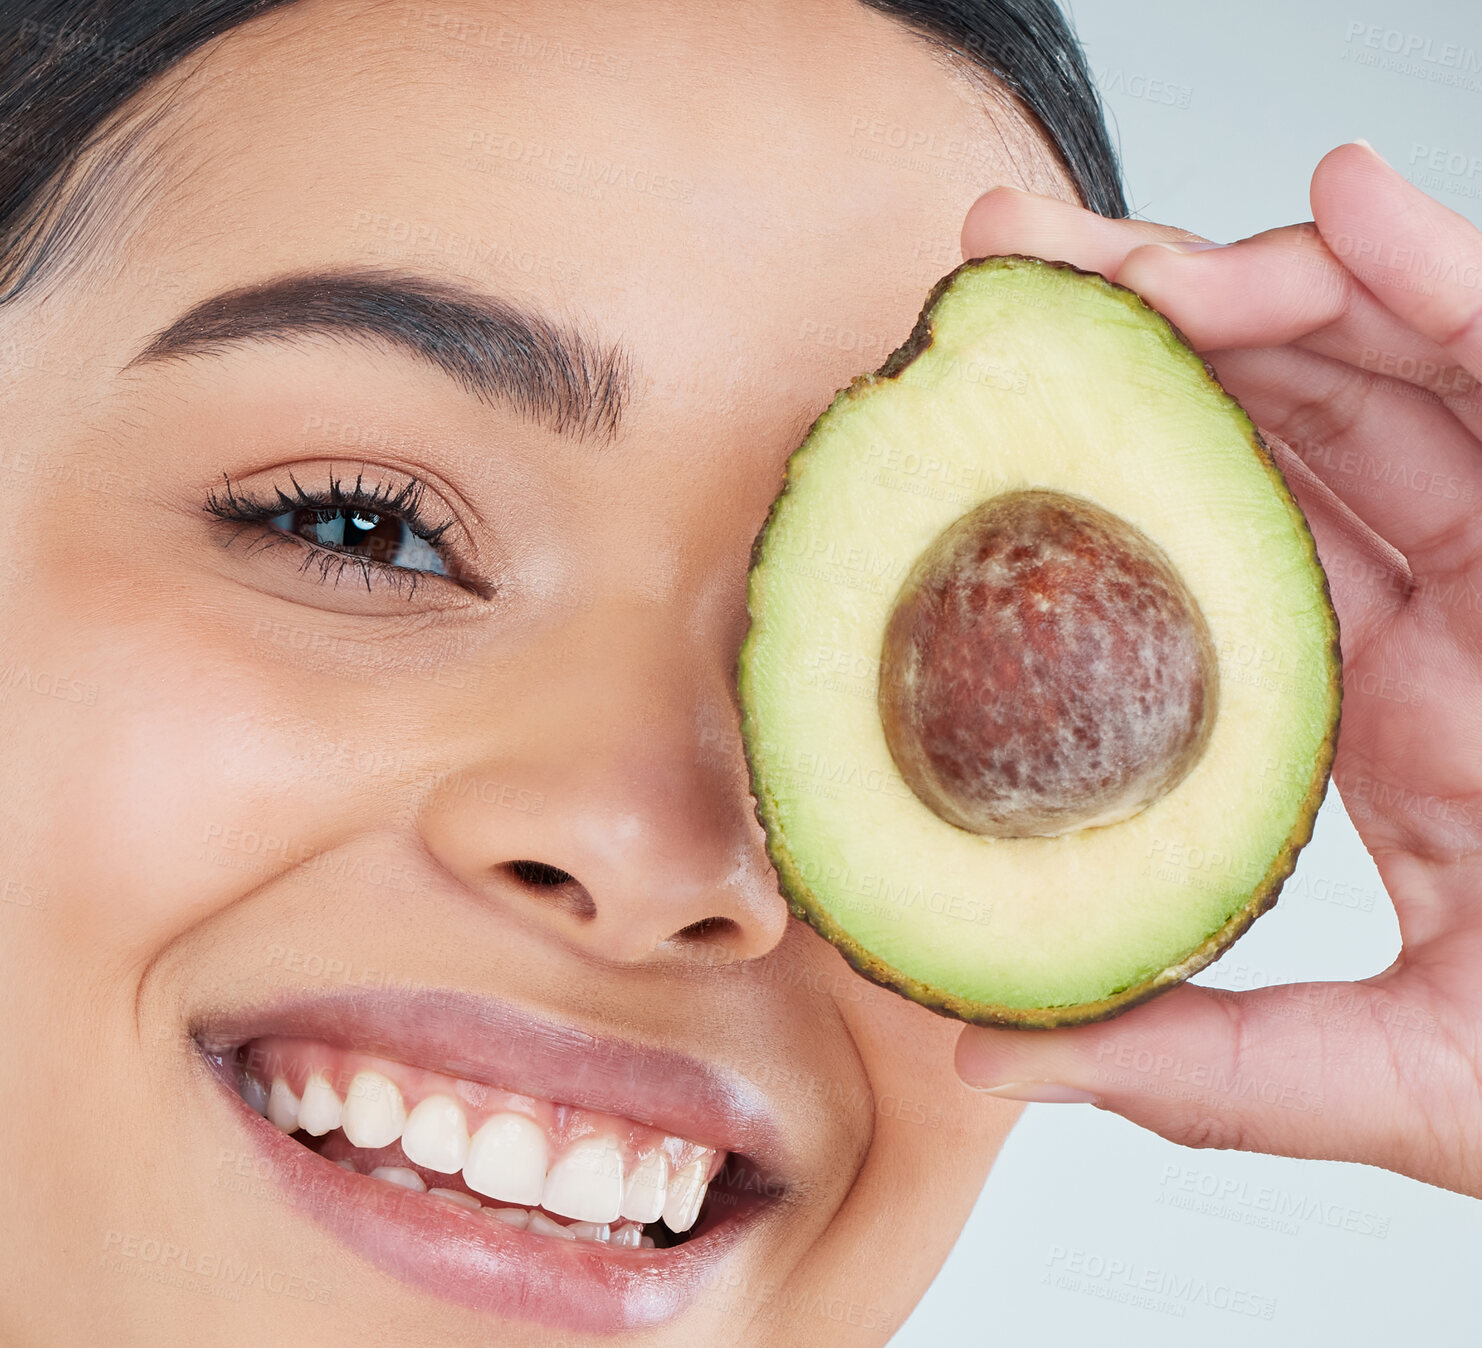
<point x="404" y="503"/>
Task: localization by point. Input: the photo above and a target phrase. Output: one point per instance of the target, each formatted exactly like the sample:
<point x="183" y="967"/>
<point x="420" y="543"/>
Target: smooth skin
<point x="223" y="781"/>
<point x="1355" y="343"/>
<point x="185" y="699"/>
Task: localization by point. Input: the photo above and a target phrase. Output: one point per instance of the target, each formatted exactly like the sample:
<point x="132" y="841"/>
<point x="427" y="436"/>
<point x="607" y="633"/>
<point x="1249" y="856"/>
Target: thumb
<point x="1301" y="1070"/>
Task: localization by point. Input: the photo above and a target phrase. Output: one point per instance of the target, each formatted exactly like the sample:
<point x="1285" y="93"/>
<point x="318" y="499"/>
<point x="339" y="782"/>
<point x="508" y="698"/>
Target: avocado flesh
<point x="1024" y="375"/>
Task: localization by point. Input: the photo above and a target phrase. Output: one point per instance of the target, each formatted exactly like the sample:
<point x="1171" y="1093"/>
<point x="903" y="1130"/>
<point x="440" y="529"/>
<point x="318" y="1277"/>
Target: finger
<point x="1303" y="1070"/>
<point x="1285" y="287"/>
<point x="1394" y="455"/>
<point x="1368" y="578"/>
<point x="1420" y="259"/>
<point x="1273" y="289"/>
<point x="1370" y="583"/>
<point x="1281" y="286"/>
<point x="1007" y="220"/>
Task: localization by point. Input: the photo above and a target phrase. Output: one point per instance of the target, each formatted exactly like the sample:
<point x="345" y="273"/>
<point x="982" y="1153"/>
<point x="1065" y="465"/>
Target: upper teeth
<point x="319" y="1111"/>
<point x="597" y="1179"/>
<point x="283" y="1106"/>
<point x="374" y="1113"/>
<point x="436" y="1135"/>
<point x="646" y="1188"/>
<point x="587" y="1182"/>
<point x="687" y="1192"/>
<point x="507" y="1160"/>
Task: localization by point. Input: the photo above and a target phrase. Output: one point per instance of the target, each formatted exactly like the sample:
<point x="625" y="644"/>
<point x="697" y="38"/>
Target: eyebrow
<point x="501" y="353"/>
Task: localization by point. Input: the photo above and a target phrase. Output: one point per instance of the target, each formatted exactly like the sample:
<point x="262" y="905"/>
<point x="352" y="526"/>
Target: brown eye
<point x="382" y="538"/>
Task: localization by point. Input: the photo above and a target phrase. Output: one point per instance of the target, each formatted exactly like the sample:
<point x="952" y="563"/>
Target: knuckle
<point x="1208" y="1131"/>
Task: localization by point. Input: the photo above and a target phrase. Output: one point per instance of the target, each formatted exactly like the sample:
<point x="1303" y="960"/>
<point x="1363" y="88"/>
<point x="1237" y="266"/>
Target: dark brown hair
<point x="67" y="65"/>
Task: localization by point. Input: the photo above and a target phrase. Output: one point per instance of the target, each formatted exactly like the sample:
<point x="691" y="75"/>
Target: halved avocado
<point x="1042" y="685"/>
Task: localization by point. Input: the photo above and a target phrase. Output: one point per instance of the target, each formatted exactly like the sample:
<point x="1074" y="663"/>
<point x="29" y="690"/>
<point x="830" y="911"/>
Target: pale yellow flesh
<point x="1035" y="378"/>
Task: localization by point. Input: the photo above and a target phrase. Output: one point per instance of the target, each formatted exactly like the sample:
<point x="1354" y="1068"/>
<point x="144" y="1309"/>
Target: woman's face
<point x="277" y="811"/>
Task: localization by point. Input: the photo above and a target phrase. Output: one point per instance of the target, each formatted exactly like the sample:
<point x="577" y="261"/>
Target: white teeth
<point x="686" y="1193"/>
<point x="594" y="1189"/>
<point x="374" y="1114"/>
<point x="507" y="1159"/>
<point x="457" y="1196"/>
<point x="347" y="1164"/>
<point x="319" y="1110"/>
<point x="544" y="1226"/>
<point x="255" y="1094"/>
<point x="400" y="1176"/>
<point x="587" y="1181"/>
<point x="646" y="1189"/>
<point x="626" y="1237"/>
<point x="282" y="1106"/>
<point x="436" y="1135"/>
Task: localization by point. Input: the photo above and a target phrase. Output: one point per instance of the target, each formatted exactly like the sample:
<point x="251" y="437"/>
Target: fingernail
<point x="1371" y="150"/>
<point x="1038" y="1093"/>
<point x="1189" y="245"/>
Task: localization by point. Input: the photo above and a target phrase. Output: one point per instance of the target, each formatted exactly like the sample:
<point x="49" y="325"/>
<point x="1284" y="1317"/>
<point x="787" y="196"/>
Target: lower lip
<point x="468" y="1258"/>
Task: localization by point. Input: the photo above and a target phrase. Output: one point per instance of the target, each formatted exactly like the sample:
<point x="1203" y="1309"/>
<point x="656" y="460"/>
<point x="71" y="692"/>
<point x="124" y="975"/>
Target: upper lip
<point x="480" y="1039"/>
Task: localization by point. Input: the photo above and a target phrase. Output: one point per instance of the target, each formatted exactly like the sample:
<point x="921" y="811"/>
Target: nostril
<point x="707" y="928"/>
<point x="538" y="874"/>
<point x="569" y="894"/>
<point x="564" y="889"/>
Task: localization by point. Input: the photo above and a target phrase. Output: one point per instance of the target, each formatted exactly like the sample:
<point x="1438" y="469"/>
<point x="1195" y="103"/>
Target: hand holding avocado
<point x="1355" y="344"/>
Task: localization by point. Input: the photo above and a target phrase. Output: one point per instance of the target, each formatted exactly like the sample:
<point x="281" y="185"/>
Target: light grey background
<point x="1222" y="112"/>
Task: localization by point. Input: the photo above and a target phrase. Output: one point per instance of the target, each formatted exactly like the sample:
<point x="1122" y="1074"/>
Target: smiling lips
<point x="465" y="1141"/>
<point x="596" y="1211"/>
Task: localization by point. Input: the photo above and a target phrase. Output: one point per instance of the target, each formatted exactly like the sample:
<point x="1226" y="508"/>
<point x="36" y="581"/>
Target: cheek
<point x="934" y="1133"/>
<point x="931" y="1144"/>
<point x="180" y="786"/>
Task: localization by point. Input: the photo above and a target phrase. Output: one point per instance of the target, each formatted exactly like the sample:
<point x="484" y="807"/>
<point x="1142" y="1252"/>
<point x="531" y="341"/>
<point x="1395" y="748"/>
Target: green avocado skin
<point x="805" y="904"/>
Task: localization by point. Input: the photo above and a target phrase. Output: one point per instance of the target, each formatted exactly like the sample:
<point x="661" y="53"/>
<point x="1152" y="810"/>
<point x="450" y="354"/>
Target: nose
<point x="602" y="794"/>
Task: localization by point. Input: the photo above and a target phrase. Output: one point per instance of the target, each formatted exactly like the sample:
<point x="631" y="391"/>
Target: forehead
<point x="713" y="184"/>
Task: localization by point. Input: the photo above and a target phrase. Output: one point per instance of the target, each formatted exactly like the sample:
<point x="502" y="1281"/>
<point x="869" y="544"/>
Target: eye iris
<point x="379" y="538"/>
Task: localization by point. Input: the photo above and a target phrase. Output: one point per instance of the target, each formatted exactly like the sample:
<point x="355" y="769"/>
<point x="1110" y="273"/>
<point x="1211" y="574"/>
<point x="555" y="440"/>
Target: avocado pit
<point x="1045" y="670"/>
